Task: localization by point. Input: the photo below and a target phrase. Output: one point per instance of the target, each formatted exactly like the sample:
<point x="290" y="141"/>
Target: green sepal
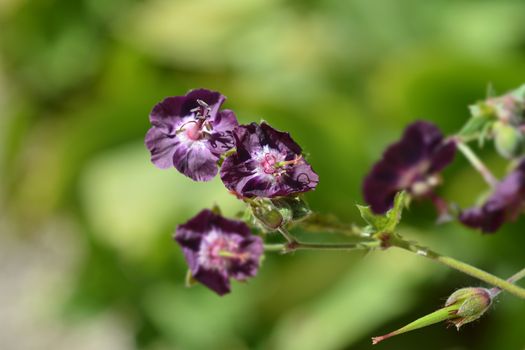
<point x="216" y="209"/>
<point x="295" y="208"/>
<point x="189" y="281"/>
<point x="519" y="94"/>
<point x="479" y="125"/>
<point x="437" y="316"/>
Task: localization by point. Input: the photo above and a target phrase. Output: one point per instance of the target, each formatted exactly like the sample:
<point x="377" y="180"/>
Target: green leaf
<point x="478" y="125"/>
<point x="387" y="222"/>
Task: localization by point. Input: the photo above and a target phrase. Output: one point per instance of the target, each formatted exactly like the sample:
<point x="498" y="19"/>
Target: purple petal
<point x="505" y="204"/>
<point x="214" y="100"/>
<point x="195" y="161"/>
<point x="444" y="156"/>
<point x="167" y="112"/>
<point x="302" y="178"/>
<point x="216" y="281"/>
<point x="248" y="174"/>
<point x="486" y="221"/>
<point x="225" y="121"/>
<point x="244" y="270"/>
<point x="161" y="147"/>
<point x="277" y="139"/>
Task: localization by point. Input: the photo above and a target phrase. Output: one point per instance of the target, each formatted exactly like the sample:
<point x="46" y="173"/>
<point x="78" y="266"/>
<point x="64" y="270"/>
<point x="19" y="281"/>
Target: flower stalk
<point x="513" y="279"/>
<point x="459" y="266"/>
<point x="481" y="168"/>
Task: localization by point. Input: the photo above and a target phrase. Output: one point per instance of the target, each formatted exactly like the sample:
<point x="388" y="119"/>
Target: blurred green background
<point x="86" y="256"/>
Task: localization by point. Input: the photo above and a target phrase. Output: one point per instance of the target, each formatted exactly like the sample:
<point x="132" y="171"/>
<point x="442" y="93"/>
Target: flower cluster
<point x="267" y="170"/>
<point x="256" y="161"/>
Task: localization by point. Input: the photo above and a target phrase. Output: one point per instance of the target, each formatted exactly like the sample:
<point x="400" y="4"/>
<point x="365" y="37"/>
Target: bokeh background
<point x="86" y="256"/>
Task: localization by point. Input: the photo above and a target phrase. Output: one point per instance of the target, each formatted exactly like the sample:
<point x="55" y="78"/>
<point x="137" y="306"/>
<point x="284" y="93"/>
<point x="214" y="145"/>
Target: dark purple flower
<point x="411" y="164"/>
<point x="190" y="133"/>
<point x="217" y="249"/>
<point x="505" y="204"/>
<point x="268" y="163"/>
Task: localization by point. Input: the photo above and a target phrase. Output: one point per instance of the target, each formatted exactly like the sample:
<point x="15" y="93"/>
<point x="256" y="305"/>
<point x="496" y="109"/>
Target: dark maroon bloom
<point x="412" y="164"/>
<point x="505" y="204"/>
<point x="217" y="249"/>
<point x="268" y="163"/>
<point x="190" y="133"/>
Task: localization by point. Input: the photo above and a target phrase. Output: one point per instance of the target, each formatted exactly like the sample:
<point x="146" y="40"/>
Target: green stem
<point x="293" y="245"/>
<point x="226" y="155"/>
<point x="397" y="241"/>
<point x="512" y="279"/>
<point x="287" y="235"/>
<point x="490" y="179"/>
<point x="334" y="246"/>
<point x="277" y="247"/>
<point x="470" y="270"/>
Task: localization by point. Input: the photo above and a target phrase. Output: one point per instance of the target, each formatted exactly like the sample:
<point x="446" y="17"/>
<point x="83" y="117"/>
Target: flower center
<point x="274" y="163"/>
<point x="194" y="131"/>
<point x="217" y="251"/>
<point x="268" y="163"/>
<point x="198" y="125"/>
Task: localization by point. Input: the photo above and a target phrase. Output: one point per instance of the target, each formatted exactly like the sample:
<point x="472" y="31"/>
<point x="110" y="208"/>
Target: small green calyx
<point x="275" y="213"/>
<point x="381" y="226"/>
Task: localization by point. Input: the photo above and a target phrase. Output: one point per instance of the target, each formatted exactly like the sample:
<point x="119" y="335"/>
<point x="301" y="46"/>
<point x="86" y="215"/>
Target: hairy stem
<point x="287" y="235"/>
<point x="397" y="241"/>
<point x="459" y="266"/>
<point x="512" y="279"/>
<point x="487" y="175"/>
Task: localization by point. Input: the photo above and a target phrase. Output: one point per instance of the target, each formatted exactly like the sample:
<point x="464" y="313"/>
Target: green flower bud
<point x="473" y="302"/>
<point x="508" y="140"/>
<point x="294" y="207"/>
<point x="463" y="306"/>
<point x="268" y="216"/>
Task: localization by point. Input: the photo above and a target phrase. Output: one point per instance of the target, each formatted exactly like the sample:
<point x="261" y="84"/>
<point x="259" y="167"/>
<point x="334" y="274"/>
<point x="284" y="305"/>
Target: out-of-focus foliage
<point x="86" y="256"/>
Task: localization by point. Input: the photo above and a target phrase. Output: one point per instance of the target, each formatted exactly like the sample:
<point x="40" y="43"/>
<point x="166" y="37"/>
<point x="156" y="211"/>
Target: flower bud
<point x="507" y="139"/>
<point x="473" y="302"/>
<point x="268" y="216"/>
<point x="463" y="306"/>
<point x="294" y="207"/>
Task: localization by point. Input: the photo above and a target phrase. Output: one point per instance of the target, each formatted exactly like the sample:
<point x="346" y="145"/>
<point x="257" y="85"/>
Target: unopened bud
<point x="267" y="215"/>
<point x="508" y="140"/>
<point x="463" y="306"/>
<point x="473" y="302"/>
